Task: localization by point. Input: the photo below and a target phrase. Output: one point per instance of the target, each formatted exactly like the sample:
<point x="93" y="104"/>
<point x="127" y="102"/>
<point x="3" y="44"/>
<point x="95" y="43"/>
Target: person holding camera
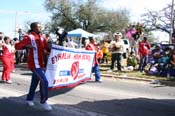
<point x="61" y="33"/>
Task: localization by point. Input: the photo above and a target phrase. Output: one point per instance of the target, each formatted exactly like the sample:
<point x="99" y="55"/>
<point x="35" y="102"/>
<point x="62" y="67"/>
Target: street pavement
<point x="12" y="99"/>
<point x="110" y="98"/>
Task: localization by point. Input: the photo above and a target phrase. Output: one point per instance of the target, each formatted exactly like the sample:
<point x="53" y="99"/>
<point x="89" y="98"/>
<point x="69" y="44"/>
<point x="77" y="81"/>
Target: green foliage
<point x="71" y="14"/>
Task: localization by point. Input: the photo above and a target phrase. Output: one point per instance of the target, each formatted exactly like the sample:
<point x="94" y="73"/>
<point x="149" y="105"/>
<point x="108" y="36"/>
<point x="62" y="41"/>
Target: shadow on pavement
<point x="117" y="107"/>
<point x="131" y="107"/>
<point x="14" y="106"/>
<point x="56" y="92"/>
<point x="168" y="83"/>
<point x="17" y="106"/>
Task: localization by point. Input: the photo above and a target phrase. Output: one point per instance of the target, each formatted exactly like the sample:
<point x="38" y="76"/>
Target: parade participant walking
<point x="92" y="46"/>
<point x="36" y="44"/>
<point x="6" y="59"/>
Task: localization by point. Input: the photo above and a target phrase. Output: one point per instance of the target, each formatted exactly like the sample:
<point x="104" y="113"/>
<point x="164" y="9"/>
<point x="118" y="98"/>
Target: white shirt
<point x="119" y="44"/>
<point x="71" y="44"/>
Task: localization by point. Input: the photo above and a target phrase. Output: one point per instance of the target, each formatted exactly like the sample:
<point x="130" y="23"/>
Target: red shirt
<point x="92" y="47"/>
<point x="144" y="48"/>
<point x="36" y="54"/>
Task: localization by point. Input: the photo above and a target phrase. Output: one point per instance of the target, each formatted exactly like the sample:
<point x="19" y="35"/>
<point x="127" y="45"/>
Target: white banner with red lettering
<point x="67" y="67"/>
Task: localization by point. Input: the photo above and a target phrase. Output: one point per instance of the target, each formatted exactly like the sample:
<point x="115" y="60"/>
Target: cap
<point x="118" y="33"/>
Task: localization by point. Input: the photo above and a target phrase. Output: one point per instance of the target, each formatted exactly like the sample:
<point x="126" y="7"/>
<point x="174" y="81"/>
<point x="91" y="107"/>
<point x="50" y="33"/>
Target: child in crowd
<point x="131" y="61"/>
<point x="99" y="54"/>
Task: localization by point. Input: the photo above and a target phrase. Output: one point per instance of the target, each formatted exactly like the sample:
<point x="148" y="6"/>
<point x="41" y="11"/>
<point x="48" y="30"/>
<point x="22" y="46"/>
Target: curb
<point x="151" y="81"/>
<point x="128" y="78"/>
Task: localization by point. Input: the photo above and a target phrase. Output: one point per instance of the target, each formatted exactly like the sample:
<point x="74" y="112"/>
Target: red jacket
<point x="6" y="50"/>
<point x="92" y="47"/>
<point x="36" y="54"/>
<point x="144" y="48"/>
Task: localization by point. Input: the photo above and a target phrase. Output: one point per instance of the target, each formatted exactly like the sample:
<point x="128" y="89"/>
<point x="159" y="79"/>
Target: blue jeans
<point x="143" y="62"/>
<point x="38" y="76"/>
<point x="96" y="70"/>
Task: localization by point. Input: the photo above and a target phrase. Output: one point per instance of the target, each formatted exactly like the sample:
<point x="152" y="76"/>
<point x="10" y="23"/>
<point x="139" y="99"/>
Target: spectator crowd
<point x="142" y="56"/>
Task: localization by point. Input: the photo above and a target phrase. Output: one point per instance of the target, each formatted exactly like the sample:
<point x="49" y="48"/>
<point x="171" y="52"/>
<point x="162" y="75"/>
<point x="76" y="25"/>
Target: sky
<point x="138" y="7"/>
<point x="17" y="12"/>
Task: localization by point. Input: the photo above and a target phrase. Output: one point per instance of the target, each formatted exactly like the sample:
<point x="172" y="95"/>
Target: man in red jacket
<point x="143" y="50"/>
<point x="37" y="44"/>
<point x="92" y="47"/>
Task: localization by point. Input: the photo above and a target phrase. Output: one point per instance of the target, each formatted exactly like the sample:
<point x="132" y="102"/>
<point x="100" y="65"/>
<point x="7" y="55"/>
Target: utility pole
<point x="172" y="22"/>
<point x="16" y="21"/>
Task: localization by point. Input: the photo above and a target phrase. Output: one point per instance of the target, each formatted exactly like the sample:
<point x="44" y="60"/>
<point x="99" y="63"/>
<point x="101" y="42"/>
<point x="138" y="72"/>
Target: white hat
<point x="118" y="33"/>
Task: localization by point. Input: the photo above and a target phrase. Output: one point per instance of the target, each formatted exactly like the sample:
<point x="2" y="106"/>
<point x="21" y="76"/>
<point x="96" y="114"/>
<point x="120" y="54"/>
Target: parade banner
<point x="67" y="67"/>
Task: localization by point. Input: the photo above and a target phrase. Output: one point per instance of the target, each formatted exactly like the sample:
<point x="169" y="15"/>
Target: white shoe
<point x="30" y="103"/>
<point x="46" y="106"/>
<point x="155" y="82"/>
<point x="109" y="70"/>
<point x="9" y="81"/>
<point x="168" y="75"/>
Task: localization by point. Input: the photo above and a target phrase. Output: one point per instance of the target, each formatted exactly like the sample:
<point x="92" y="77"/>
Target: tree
<point x="86" y="14"/>
<point x="159" y="20"/>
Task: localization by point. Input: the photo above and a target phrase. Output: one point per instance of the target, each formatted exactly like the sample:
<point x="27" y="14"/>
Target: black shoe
<point x="99" y="81"/>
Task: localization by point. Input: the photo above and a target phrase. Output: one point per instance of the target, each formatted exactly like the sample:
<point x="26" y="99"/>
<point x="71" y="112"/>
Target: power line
<point x="22" y="12"/>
